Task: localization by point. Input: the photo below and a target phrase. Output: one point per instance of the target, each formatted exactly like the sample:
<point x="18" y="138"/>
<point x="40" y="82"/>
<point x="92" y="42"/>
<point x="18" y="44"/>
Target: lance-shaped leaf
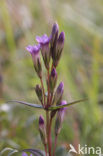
<point x="11" y="151"/>
<point x="66" y="105"/>
<point x="35" y="152"/>
<point x="26" y="103"/>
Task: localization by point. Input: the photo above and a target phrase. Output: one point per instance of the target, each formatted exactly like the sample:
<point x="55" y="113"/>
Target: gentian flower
<point x="42" y="130"/>
<point x="45" y="50"/>
<point x="59" y="48"/>
<point x="34" y="50"/>
<point x="58" y="93"/>
<point x="60" y="118"/>
<point x="53" y="79"/>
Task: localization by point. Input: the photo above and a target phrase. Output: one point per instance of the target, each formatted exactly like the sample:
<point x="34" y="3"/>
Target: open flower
<point x="34" y="50"/>
<point x="60" y="117"/>
<point x="45" y="50"/>
<point x="43" y="39"/>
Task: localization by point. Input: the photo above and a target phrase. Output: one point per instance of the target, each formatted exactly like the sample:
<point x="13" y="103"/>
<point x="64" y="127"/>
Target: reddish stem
<point x="46" y="150"/>
<point x="43" y="91"/>
<point x="48" y="89"/>
<point x="55" y="143"/>
<point x="47" y="131"/>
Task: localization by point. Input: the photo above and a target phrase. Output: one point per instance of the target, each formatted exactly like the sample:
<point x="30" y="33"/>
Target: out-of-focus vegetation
<point x="81" y="69"/>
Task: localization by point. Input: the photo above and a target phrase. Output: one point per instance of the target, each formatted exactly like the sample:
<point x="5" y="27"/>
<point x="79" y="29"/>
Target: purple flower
<point x="59" y="48"/>
<point x="42" y="130"/>
<point x="60" y="118"/>
<point x="58" y="93"/>
<point x="45" y="50"/>
<point x="43" y="39"/>
<point x="24" y="154"/>
<point x="34" y="50"/>
<point x="53" y="79"/>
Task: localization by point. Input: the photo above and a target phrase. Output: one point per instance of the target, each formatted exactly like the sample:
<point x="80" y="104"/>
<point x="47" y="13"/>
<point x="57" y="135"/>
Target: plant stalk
<point x="55" y="143"/>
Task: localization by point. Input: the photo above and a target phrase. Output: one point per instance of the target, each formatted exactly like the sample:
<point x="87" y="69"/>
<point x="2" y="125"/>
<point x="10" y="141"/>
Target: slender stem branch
<point x="50" y="139"/>
<point x="43" y="90"/>
<point x="52" y="67"/>
<point x="51" y="98"/>
<point x="48" y="89"/>
<point x="46" y="150"/>
<point x="55" y="143"/>
<point x="47" y="131"/>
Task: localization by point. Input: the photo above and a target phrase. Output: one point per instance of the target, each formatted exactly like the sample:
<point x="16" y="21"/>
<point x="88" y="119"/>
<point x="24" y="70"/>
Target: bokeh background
<point x="81" y="69"/>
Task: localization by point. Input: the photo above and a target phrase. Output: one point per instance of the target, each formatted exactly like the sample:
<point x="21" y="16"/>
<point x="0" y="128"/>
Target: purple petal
<point x="43" y="39"/>
<point x="24" y="154"/>
<point x="33" y="49"/>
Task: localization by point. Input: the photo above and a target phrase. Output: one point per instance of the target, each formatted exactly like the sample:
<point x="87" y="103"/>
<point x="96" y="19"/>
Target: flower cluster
<point x="51" y="49"/>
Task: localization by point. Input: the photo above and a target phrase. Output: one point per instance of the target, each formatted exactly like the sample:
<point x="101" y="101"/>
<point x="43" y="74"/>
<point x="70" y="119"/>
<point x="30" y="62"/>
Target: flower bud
<point x="39" y="93"/>
<point x="54" y="33"/>
<point x="53" y="80"/>
<point x="42" y="130"/>
<point x="34" y="50"/>
<point x="45" y="50"/>
<point x="54" y="37"/>
<point x="58" y="93"/>
<point x="59" y="48"/>
<point x="60" y="118"/>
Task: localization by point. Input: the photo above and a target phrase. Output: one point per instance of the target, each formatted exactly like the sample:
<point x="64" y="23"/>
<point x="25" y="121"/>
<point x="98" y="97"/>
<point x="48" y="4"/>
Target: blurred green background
<point x="81" y="69"/>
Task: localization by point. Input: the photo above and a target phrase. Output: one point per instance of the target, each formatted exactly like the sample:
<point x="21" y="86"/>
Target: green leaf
<point x="68" y="104"/>
<point x="26" y="103"/>
<point x="12" y="151"/>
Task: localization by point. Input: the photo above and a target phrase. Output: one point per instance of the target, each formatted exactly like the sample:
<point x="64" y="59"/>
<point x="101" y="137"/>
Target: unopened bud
<point x="60" y="118"/>
<point x="58" y="93"/>
<point x="34" y="50"/>
<point x="54" y="38"/>
<point x="39" y="93"/>
<point x="42" y="130"/>
<point x="53" y="80"/>
<point x="59" y="48"/>
<point x="45" y="50"/>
